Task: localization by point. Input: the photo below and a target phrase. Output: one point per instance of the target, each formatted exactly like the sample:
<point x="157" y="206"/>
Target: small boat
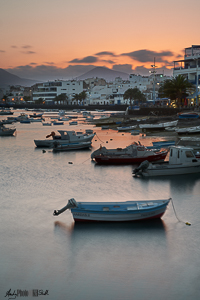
<point x="5" y="131"/>
<point x="182" y="160"/>
<point x="64" y="137"/>
<point x="27" y="121"/>
<point x="46" y="123"/>
<point x="161" y="144"/>
<point x="36" y="119"/>
<point x="36" y="115"/>
<point x="57" y="123"/>
<point x="22" y="117"/>
<point x="189" y="141"/>
<point x="188" y="115"/>
<point x="132" y="154"/>
<point x="115" y="211"/>
<point x="126" y="128"/>
<point x="70" y="146"/>
<point x="158" y="125"/>
<point x="188" y="130"/>
<point x="6" y="112"/>
<point x="135" y="132"/>
<point x="73" y="123"/>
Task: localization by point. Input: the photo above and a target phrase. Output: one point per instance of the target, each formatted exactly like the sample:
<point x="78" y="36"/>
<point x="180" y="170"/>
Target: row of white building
<point x="99" y="91"/>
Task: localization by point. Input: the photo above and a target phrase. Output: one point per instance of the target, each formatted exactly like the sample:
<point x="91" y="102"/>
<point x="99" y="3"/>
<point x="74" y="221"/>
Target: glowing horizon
<point x="119" y="35"/>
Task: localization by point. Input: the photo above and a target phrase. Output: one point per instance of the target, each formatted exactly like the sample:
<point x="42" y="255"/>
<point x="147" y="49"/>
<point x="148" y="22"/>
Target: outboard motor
<point x="71" y="204"/>
<point x="143" y="166"/>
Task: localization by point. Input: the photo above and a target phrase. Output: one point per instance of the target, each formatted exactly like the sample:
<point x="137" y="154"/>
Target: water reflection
<point x="76" y="228"/>
<point x="183" y="183"/>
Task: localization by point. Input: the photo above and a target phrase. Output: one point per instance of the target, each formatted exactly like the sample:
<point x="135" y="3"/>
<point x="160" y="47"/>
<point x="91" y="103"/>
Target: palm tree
<point x="176" y="88"/>
<point x="134" y="94"/>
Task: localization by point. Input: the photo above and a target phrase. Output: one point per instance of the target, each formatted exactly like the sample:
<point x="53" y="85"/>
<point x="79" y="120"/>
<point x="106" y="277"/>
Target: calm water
<point x="140" y="261"/>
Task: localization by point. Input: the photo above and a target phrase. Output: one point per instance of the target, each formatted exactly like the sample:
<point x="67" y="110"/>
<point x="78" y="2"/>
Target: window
<point x="189" y="154"/>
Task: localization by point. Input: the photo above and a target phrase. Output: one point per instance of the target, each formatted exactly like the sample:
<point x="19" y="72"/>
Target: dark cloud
<point x="126" y="68"/>
<point x="2" y="51"/>
<point x="28" y="52"/>
<point x="148" y="55"/>
<point x="49" y="63"/>
<point x="103" y="53"/>
<point x="108" y="61"/>
<point x="85" y="60"/>
<point x="26" y="47"/>
<point x="13" y="46"/>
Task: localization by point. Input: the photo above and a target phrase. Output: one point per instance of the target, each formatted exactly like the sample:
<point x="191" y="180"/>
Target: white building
<point x="189" y="67"/>
<point x="49" y="90"/>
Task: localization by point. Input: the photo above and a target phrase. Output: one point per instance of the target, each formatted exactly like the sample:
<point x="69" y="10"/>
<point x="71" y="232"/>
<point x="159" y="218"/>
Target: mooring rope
<point x="187" y="223"/>
<point x="99" y="139"/>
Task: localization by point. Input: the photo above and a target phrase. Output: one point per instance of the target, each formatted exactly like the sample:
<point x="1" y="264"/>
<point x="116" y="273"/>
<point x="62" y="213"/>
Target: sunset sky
<point x="43" y="39"/>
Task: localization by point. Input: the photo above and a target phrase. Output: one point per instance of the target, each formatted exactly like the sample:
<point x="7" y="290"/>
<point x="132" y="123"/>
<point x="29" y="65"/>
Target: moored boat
<point x="64" y="137"/>
<point x="158" y="125"/>
<point x="5" y="131"/>
<point x="126" y="128"/>
<point x="188" y="115"/>
<point x="115" y="211"/>
<point x="132" y="154"/>
<point x="182" y="160"/>
<point x="71" y="146"/>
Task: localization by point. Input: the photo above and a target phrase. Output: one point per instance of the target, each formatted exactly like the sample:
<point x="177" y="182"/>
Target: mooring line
<point x="187" y="223"/>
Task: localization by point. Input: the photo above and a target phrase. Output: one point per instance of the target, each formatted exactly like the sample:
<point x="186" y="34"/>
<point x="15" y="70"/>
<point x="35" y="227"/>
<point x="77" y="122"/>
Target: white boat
<point x="126" y="128"/>
<point x="115" y="211"/>
<point x="158" y="125"/>
<point x="71" y="146"/>
<point x="5" y="131"/>
<point x="64" y="137"/>
<point x="22" y="117"/>
<point x="188" y="130"/>
<point x="189" y="141"/>
<point x="182" y="160"/>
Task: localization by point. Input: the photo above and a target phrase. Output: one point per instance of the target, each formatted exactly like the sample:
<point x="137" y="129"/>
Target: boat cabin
<point x="180" y="154"/>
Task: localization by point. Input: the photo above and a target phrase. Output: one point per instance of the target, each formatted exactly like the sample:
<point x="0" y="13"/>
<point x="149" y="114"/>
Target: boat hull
<point x="7" y="132"/>
<point x="129" y="160"/>
<point x="171" y="170"/>
<point x="130" y="211"/>
<point x="72" y="146"/>
<point x="50" y="143"/>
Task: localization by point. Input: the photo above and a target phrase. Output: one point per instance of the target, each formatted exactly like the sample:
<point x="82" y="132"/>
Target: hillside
<point x="103" y="72"/>
<point x="7" y="78"/>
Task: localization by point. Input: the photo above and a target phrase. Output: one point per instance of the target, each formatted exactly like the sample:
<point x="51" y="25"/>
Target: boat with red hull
<point x="133" y="154"/>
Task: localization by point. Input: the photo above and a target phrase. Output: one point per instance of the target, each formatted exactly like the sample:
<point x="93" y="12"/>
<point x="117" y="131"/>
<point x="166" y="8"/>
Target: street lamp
<point x="197" y="80"/>
<point x="153" y="72"/>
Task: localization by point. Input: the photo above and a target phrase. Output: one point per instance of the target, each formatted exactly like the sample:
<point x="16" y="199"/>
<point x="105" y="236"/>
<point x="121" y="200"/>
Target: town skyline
<point x="50" y="39"/>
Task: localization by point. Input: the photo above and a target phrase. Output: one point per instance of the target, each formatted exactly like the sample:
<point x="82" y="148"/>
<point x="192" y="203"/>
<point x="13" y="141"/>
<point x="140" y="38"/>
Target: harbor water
<point x="52" y="258"/>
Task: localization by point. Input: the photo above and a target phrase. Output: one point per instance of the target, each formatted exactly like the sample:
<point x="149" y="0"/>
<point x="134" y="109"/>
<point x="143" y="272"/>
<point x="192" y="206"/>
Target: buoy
<point x="188" y="223"/>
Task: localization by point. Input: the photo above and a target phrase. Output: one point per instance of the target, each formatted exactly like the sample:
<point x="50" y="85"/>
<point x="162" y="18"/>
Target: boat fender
<point x="143" y="166"/>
